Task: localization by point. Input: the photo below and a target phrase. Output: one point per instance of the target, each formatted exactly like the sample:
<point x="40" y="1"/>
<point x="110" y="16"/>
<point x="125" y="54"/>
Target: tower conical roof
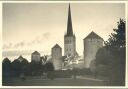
<point x="56" y="46"/>
<point x="36" y="53"/>
<point x="93" y="35"/>
<point x="69" y="24"/>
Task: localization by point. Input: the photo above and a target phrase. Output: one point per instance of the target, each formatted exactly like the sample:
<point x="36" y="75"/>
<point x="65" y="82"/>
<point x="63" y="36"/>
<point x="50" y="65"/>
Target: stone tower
<point x="69" y="38"/>
<point x="91" y="45"/>
<point x="57" y="57"/>
<point x="35" y="56"/>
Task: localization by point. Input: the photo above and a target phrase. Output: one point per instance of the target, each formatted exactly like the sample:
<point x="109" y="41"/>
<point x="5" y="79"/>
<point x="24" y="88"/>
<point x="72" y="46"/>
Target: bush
<point x="84" y="71"/>
<point x="62" y="74"/>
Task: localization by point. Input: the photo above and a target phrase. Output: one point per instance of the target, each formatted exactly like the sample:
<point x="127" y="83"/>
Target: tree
<point x="35" y="68"/>
<point x="49" y="69"/>
<point x="104" y="56"/>
<point x="16" y="68"/>
<point x="117" y="39"/>
<point x="6" y="68"/>
<point x="117" y="46"/>
<point x="24" y="64"/>
<point x="49" y="66"/>
<point x="113" y="55"/>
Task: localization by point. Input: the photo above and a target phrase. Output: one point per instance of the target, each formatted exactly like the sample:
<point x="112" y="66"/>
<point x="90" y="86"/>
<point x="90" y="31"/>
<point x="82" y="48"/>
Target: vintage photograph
<point x="64" y="44"/>
<point x="65" y="88"/>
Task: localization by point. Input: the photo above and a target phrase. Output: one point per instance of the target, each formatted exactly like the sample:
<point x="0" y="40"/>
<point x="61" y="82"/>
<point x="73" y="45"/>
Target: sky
<point x="39" y="26"/>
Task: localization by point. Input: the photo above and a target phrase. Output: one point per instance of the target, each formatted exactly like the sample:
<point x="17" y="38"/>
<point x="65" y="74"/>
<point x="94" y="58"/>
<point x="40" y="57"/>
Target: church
<point x="92" y="43"/>
<point x="69" y="38"/>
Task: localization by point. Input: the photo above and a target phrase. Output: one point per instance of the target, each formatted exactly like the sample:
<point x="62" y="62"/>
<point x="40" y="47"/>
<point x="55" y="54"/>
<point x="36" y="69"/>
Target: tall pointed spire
<point x="69" y="24"/>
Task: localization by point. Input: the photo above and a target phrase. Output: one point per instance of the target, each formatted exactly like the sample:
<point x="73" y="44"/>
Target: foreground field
<point x="37" y="81"/>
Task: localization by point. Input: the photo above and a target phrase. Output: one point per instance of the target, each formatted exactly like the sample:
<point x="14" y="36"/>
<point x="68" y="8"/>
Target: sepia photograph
<point x="66" y="88"/>
<point x="60" y="0"/>
<point x="64" y="44"/>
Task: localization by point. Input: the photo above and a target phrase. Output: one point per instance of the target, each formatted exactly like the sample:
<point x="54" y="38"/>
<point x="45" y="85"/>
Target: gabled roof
<point x="20" y="57"/>
<point x="36" y="53"/>
<point x="6" y="59"/>
<point x="56" y="46"/>
<point x="93" y="35"/>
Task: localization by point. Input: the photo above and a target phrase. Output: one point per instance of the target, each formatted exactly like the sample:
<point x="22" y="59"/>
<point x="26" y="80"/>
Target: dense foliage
<point x="19" y="68"/>
<point x="110" y="60"/>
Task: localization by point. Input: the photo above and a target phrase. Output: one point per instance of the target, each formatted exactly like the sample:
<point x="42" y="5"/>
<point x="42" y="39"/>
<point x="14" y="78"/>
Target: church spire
<point x="69" y="24"/>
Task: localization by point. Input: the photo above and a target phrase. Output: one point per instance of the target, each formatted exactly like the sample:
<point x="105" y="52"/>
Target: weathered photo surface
<point x="63" y="44"/>
<point x="67" y="88"/>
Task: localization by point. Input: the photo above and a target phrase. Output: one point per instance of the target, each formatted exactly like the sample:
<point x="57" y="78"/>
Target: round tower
<point x="35" y="56"/>
<point x="91" y="45"/>
<point x="57" y="57"/>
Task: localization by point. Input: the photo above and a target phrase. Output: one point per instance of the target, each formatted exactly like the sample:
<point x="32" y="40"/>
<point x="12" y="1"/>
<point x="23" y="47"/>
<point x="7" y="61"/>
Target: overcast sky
<point x="39" y="26"/>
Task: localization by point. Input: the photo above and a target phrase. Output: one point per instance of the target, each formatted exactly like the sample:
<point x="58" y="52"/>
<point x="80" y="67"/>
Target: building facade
<point x="35" y="56"/>
<point x="69" y="38"/>
<point x="92" y="43"/>
<point x="57" y="57"/>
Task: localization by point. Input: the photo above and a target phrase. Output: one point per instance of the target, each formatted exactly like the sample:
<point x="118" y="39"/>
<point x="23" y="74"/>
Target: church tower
<point x="69" y="38"/>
